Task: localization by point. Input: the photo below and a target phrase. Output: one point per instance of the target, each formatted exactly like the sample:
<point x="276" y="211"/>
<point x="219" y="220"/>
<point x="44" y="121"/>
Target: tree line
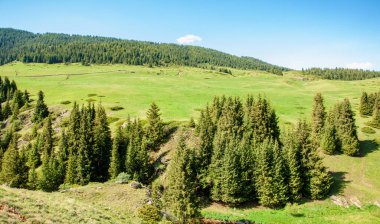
<point x="341" y="73"/>
<point x="62" y="48"/>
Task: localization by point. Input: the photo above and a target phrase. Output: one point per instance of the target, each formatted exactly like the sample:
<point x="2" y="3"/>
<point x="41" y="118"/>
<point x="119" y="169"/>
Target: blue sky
<point x="294" y="33"/>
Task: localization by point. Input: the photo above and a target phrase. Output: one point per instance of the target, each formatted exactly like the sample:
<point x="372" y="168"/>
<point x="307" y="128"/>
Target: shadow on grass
<point x="366" y="147"/>
<point x="339" y="183"/>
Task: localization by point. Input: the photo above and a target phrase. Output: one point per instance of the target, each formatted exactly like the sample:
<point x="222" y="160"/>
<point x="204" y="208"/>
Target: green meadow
<point x="180" y="92"/>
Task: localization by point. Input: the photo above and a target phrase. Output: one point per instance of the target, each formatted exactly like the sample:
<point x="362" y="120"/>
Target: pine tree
<point x="155" y="127"/>
<point x="228" y="133"/>
<point x="317" y="119"/>
<point x="137" y="161"/>
<point x="328" y="140"/>
<point x="320" y="179"/>
<point x="206" y="131"/>
<point x="365" y="108"/>
<point x="73" y="140"/>
<point x="83" y="166"/>
<point x="180" y="196"/>
<point x="47" y="137"/>
<point x="116" y="157"/>
<point x="41" y="110"/>
<point x="102" y="146"/>
<point x="346" y="129"/>
<point x="375" y="122"/>
<point x="32" y="179"/>
<point x="270" y="175"/>
<point x="10" y="170"/>
<point x="294" y="165"/>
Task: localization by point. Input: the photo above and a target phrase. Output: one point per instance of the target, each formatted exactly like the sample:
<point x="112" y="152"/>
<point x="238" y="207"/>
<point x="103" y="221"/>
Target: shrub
<point x="149" y="214"/>
<point x="368" y="130"/>
<point x="122" y="178"/>
<point x="65" y="102"/>
<point x="116" y="108"/>
<point x="91" y="94"/>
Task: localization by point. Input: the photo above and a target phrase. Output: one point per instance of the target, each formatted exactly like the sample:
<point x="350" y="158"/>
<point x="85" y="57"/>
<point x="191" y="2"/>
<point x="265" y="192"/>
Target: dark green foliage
<point x="365" y="105"/>
<point x="206" y="131"/>
<point x="180" y="197"/>
<point x="137" y="159"/>
<point x="83" y="169"/>
<point x="329" y="139"/>
<point x="73" y="137"/>
<point x="317" y="119"/>
<point x="292" y="149"/>
<point x="12" y="168"/>
<point x="341" y="73"/>
<point x="375" y="122"/>
<point x="41" y="110"/>
<point x="116" y="165"/>
<point x="60" y="48"/>
<point x="270" y="174"/>
<point x="191" y="123"/>
<point x="155" y="127"/>
<point x="101" y="152"/>
<point x="346" y="129"/>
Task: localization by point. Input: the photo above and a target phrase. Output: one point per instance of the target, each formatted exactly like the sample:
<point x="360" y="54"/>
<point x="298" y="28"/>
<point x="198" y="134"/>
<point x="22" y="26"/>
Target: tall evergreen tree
<point x="83" y="168"/>
<point x="294" y="165"/>
<point x="41" y="110"/>
<point x="137" y="160"/>
<point x="317" y="119"/>
<point x="365" y="106"/>
<point x="102" y="146"/>
<point x="375" y="122"/>
<point x="155" y="128"/>
<point x="180" y="196"/>
<point x="116" y="157"/>
<point x="329" y="138"/>
<point x="73" y="139"/>
<point x="10" y="170"/>
<point x="346" y="129"/>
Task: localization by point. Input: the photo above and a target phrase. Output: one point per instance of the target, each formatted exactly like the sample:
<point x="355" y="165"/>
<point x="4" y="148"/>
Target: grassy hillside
<point x="94" y="203"/>
<point x="180" y="92"/>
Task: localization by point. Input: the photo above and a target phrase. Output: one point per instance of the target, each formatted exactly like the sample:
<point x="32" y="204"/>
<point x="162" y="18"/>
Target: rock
<point x="356" y="202"/>
<point x="340" y="201"/>
<point x="377" y="204"/>
<point x="136" y="185"/>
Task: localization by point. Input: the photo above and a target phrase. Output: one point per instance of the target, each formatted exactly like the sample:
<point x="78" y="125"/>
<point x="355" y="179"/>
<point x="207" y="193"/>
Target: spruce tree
<point x="10" y="170"/>
<point x="41" y="110"/>
<point x="320" y="179"/>
<point x="346" y="129"/>
<point x="83" y="168"/>
<point x="317" y="119"/>
<point x="206" y="131"/>
<point x="180" y="197"/>
<point x="270" y="175"/>
<point x="102" y="146"/>
<point x="375" y="122"/>
<point x="294" y="165"/>
<point x="116" y="157"/>
<point x="328" y="141"/>
<point x="155" y="127"/>
<point x="73" y="140"/>
<point x="137" y="160"/>
<point x="365" y="108"/>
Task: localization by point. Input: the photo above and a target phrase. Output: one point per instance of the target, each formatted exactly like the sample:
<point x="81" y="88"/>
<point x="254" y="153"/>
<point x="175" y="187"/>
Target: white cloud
<point x="360" y="65"/>
<point x="187" y="39"/>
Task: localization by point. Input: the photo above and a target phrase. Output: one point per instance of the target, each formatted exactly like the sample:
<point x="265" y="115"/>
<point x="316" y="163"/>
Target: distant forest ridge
<point x="53" y="48"/>
<point x="341" y="73"/>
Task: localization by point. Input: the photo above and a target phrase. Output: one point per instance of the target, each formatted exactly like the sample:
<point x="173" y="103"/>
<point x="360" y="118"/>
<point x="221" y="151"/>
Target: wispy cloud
<point x="360" y="65"/>
<point x="187" y="39"/>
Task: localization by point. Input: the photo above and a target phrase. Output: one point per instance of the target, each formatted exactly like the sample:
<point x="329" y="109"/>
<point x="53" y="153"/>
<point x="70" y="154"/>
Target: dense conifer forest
<point x="62" y="48"/>
<point x="341" y="73"/>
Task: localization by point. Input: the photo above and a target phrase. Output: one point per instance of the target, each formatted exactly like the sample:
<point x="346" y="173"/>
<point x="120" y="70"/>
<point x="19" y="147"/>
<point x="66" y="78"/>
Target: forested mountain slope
<point x="60" y="48"/>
